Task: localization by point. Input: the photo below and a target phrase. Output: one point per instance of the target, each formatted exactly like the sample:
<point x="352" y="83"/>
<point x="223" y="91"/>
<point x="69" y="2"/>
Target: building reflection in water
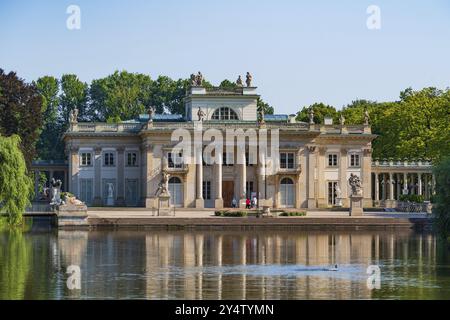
<point x="238" y="265"/>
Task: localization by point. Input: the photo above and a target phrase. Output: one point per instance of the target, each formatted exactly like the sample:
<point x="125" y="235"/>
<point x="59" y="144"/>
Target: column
<point x="391" y="186"/>
<point x="120" y="176"/>
<point x="262" y="180"/>
<point x="405" y="181"/>
<point x="321" y="186"/>
<point x="399" y="191"/>
<point x="199" y="202"/>
<point x="343" y="165"/>
<point x="383" y="187"/>
<point x="366" y="170"/>
<point x="433" y="184"/>
<point x="218" y="202"/>
<point x="377" y="187"/>
<point x="243" y="179"/>
<point x="419" y="184"/>
<point x="311" y="177"/>
<point x="36" y="184"/>
<point x="425" y="181"/>
<point x="97" y="176"/>
<point x="147" y="176"/>
<point x="74" y="165"/>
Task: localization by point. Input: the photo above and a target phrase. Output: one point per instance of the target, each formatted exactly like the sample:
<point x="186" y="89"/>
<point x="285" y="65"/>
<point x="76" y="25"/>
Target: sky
<point x="298" y="52"/>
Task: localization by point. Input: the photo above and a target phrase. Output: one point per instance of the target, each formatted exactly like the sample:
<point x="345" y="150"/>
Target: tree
<point x="20" y="112"/>
<point x="50" y="145"/>
<point x="16" y="186"/>
<point x="320" y="111"/>
<point x="260" y="104"/>
<point x="228" y="85"/>
<point x="74" y="95"/>
<point x="442" y="198"/>
<point x="121" y="96"/>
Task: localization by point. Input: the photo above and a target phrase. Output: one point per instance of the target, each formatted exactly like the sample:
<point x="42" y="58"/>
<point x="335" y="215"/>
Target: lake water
<point x="138" y="264"/>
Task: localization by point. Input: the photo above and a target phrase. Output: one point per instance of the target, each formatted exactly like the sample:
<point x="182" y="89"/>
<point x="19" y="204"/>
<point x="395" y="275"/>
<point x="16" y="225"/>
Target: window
<point x="227" y="159"/>
<point x="287" y="160"/>
<point x="86" y="188"/>
<point x="332" y="193"/>
<point x="332" y="160"/>
<point x="175" y="159"/>
<point x="287" y="192"/>
<point x="132" y="159"/>
<point x="86" y="159"/>
<point x="249" y="189"/>
<point x="207" y="190"/>
<point x="354" y="160"/>
<point x="176" y="191"/>
<point x="108" y="159"/>
<point x="224" y="114"/>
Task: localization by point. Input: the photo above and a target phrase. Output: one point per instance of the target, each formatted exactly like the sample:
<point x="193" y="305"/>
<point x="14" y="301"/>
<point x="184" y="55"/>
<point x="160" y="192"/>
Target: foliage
<point x="16" y="186"/>
<point x="20" y="112"/>
<point x="320" y="111"/>
<point x="49" y="145"/>
<point x="412" y="198"/>
<point x="441" y="208"/>
<point x="292" y="214"/>
<point x="260" y="104"/>
<point x="225" y="213"/>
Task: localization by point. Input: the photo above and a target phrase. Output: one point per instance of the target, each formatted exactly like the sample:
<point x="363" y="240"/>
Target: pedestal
<point x="72" y="215"/>
<point x="164" y="205"/>
<point x="110" y="201"/>
<point x="242" y="203"/>
<point x="356" y="207"/>
<point x="199" y="203"/>
<point x="338" y="202"/>
<point x="218" y="203"/>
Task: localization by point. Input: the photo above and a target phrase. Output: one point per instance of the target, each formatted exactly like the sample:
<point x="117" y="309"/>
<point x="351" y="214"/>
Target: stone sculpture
<point x="151" y="113"/>
<point x="248" y="79"/>
<point x="355" y="184"/>
<point x="311" y="116"/>
<point x="201" y="114"/>
<point x="366" y="117"/>
<point x="239" y="82"/>
<point x="56" y="192"/>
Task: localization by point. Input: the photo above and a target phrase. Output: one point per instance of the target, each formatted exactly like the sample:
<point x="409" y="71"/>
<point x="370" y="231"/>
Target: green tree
<point x="260" y="104"/>
<point x="50" y="145"/>
<point x="228" y="85"/>
<point x="16" y="187"/>
<point x="121" y="96"/>
<point x="442" y="198"/>
<point x="74" y="94"/>
<point x="320" y="111"/>
<point x="20" y="112"/>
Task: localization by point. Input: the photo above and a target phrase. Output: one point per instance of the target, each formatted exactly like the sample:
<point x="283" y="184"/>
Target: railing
<point x="406" y="206"/>
<point x="385" y="163"/>
<point x="106" y="127"/>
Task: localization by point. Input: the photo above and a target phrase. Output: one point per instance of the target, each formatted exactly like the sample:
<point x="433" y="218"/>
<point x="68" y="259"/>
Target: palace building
<point x="123" y="162"/>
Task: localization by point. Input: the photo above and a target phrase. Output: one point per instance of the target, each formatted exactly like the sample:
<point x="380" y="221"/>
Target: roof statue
<point x="366" y="117"/>
<point x="73" y="116"/>
<point x="311" y="116"/>
<point x="151" y="113"/>
<point x="201" y="114"/>
<point x="239" y="82"/>
<point x="248" y="79"/>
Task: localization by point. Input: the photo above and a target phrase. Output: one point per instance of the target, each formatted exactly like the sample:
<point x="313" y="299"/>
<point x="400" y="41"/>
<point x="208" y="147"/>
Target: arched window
<point x="224" y="113"/>
<point x="176" y="191"/>
<point x="287" y="192"/>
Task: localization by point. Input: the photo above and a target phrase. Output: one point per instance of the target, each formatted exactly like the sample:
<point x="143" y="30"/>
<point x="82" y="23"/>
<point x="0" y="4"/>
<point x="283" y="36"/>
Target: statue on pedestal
<point x="56" y="192"/>
<point x="342" y="119"/>
<point x="261" y="115"/>
<point x="239" y="82"/>
<point x="73" y="116"/>
<point x="162" y="186"/>
<point x="355" y="183"/>
<point x="193" y="80"/>
<point x="151" y="113"/>
<point x="338" y="192"/>
<point x="366" y="117"/>
<point x="201" y="114"/>
<point x="199" y="79"/>
<point x="248" y="79"/>
<point x="110" y="197"/>
<point x="311" y="116"/>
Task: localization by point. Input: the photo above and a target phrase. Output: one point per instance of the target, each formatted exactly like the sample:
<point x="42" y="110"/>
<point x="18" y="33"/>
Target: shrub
<point x="293" y="214"/>
<point x="412" y="198"/>
<point x="441" y="209"/>
<point x="225" y="213"/>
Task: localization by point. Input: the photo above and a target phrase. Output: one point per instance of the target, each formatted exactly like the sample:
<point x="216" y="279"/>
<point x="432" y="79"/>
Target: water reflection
<point x="221" y="265"/>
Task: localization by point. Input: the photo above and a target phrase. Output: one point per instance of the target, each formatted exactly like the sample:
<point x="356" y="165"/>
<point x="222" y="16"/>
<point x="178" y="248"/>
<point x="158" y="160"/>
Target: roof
<point x="276" y="117"/>
<point x="157" y="118"/>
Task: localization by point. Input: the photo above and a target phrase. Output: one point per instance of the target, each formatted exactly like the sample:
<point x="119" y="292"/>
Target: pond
<point x="148" y="264"/>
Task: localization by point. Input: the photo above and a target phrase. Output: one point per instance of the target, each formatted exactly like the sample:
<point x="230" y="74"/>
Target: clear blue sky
<point x="298" y="52"/>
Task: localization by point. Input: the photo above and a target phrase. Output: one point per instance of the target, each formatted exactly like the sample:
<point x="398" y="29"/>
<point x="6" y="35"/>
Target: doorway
<point x="227" y="193"/>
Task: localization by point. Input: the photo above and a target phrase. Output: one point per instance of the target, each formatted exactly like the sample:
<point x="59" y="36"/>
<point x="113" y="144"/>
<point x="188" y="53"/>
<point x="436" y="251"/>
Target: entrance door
<point x="176" y="192"/>
<point x="131" y="188"/>
<point x="227" y="193"/>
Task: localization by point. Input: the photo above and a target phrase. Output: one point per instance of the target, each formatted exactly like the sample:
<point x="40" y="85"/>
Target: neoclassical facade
<point x="127" y="158"/>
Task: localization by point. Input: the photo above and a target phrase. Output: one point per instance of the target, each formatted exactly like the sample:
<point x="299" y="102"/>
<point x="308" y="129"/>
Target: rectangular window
<point x="227" y="159"/>
<point x="249" y="189"/>
<point x="175" y="159"/>
<point x="207" y="190"/>
<point x="354" y="160"/>
<point x="287" y="160"/>
<point x="86" y="159"/>
<point x="108" y="159"/>
<point x="132" y="159"/>
<point x="332" y="160"/>
<point x="332" y="193"/>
